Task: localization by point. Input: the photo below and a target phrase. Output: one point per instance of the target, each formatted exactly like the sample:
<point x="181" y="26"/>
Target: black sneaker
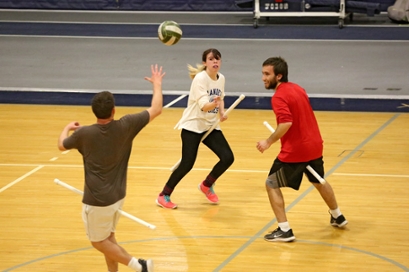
<point x="147" y="265"/>
<point x="279" y="235"/>
<point x="339" y="222"/>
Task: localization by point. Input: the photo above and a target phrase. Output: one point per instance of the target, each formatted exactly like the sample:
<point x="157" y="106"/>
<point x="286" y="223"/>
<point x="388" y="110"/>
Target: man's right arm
<point x="65" y="133"/>
<point x="157" y="97"/>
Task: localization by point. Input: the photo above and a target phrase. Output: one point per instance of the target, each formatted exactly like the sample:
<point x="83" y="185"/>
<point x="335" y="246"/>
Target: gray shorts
<point x="283" y="174"/>
<point x="100" y="222"/>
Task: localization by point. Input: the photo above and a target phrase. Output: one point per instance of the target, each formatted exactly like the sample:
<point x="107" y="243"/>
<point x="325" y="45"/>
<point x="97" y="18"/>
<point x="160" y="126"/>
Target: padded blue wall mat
<point x="251" y="102"/>
<point x="207" y="31"/>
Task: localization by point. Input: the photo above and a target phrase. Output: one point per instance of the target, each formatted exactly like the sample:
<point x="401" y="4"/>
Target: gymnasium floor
<point x="366" y="161"/>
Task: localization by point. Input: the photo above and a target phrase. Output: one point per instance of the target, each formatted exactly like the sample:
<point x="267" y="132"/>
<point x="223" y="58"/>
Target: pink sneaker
<point x="164" y="202"/>
<point x="209" y="193"/>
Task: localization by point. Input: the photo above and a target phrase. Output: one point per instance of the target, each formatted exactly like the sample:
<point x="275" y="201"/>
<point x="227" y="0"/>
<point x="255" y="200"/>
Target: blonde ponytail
<point x="193" y="71"/>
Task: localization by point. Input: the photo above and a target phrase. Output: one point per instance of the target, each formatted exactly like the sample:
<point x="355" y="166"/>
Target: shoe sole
<point x="343" y="224"/>
<point x="149" y="265"/>
<point x="198" y="187"/>
<point x="160" y="205"/>
<point x="289" y="239"/>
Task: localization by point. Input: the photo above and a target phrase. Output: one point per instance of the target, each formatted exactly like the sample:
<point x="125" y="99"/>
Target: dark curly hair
<point x="102" y="104"/>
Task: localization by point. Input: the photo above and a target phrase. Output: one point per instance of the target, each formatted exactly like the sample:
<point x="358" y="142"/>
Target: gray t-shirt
<point x="105" y="150"/>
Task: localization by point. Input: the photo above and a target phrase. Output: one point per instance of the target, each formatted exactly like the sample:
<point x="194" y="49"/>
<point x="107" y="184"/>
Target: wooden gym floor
<point x="366" y="159"/>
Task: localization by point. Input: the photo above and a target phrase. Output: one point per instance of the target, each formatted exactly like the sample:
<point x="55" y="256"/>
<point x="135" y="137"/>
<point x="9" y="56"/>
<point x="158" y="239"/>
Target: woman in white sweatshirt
<point x="205" y="107"/>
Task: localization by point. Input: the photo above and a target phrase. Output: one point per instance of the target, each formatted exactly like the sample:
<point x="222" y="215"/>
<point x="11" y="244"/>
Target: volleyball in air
<point x="169" y="32"/>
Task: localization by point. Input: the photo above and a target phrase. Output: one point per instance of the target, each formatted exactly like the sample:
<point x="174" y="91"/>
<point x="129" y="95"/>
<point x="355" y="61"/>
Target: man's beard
<point x="273" y="84"/>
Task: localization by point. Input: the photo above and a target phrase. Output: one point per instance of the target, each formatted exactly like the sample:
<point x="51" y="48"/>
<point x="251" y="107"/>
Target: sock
<point x="166" y="191"/>
<point x="284" y="226"/>
<point x="135" y="265"/>
<point x="335" y="213"/>
<point x="209" y="181"/>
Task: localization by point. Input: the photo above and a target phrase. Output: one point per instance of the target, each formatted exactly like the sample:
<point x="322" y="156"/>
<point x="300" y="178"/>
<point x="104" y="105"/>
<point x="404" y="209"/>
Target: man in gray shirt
<point x="105" y="147"/>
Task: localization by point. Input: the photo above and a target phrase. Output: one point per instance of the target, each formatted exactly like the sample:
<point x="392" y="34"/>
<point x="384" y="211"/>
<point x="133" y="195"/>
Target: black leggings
<point x="215" y="141"/>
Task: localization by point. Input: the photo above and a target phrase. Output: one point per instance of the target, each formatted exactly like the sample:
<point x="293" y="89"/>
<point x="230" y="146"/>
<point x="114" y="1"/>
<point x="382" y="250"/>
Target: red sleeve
<point x="281" y="109"/>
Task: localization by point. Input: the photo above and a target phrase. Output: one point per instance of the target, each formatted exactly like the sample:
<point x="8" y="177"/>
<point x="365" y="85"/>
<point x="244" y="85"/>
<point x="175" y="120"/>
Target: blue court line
<point x="404" y="268"/>
<point x="305" y="193"/>
<point x="45" y="258"/>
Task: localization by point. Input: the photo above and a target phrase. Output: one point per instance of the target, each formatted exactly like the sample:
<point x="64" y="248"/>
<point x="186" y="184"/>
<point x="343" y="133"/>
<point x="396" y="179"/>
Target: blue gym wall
<point x="148" y="5"/>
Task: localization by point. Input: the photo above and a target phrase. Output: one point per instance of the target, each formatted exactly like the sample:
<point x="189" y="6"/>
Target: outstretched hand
<point x="157" y="75"/>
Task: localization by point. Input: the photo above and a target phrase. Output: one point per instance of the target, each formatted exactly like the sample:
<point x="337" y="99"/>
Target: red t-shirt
<point x="302" y="142"/>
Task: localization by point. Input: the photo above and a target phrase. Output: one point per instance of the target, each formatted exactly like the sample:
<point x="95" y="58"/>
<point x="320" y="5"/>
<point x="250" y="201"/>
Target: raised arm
<point x="157" y="97"/>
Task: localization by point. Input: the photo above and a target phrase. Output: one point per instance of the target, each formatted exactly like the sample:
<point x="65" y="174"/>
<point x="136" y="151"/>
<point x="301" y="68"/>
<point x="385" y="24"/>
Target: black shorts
<point x="283" y="174"/>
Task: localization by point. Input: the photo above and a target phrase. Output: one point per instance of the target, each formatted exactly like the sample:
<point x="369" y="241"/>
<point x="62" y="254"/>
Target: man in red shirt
<point x="301" y="145"/>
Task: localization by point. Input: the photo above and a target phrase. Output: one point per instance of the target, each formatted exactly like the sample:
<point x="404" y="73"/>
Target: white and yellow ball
<point x="169" y="32"/>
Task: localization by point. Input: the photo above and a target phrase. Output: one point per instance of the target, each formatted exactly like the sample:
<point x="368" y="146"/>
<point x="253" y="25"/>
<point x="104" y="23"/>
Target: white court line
<point x="197" y="169"/>
<point x="56" y="158"/>
<point x="175" y="100"/>
<point x="21" y="178"/>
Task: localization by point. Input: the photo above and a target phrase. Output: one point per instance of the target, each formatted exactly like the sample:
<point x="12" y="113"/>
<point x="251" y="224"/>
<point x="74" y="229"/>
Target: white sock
<point x="284" y="226"/>
<point x="135" y="265"/>
<point x="335" y="213"/>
